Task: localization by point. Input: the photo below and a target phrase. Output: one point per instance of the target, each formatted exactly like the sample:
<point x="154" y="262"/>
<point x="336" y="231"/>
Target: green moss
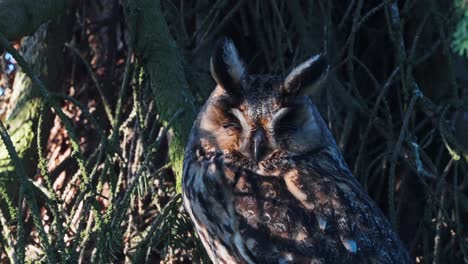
<point x="164" y="65"/>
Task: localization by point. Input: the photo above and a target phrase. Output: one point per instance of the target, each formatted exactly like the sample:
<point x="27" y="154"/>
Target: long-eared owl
<point x="264" y="181"/>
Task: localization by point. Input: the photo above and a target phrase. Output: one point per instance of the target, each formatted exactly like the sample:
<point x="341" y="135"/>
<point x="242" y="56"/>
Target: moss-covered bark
<point x="43" y="51"/>
<point x="22" y="117"/>
<point x="21" y="17"/>
<point x="161" y="59"/>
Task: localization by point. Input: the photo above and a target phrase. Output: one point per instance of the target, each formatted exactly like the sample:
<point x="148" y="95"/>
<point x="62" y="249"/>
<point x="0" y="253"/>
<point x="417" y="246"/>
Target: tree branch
<point x="22" y="17"/>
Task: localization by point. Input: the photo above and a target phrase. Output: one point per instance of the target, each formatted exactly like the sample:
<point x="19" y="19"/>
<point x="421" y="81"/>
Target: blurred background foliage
<point x="460" y="34"/>
<point x="90" y="176"/>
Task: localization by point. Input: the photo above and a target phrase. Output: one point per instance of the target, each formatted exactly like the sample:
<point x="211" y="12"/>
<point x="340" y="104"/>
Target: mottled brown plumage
<point x="264" y="181"/>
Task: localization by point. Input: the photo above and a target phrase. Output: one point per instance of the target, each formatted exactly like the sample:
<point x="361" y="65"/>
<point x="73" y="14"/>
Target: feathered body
<point x="264" y="181"/>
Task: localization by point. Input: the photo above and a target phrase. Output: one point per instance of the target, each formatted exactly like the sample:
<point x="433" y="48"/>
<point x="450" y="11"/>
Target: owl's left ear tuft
<point x="226" y="67"/>
<point x="307" y="77"/>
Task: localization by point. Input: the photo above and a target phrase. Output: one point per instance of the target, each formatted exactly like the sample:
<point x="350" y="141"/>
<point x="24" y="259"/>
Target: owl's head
<point x="258" y="115"/>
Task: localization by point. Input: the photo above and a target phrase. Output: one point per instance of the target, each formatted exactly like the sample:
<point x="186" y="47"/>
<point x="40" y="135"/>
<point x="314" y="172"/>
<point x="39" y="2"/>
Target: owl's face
<point x="259" y="115"/>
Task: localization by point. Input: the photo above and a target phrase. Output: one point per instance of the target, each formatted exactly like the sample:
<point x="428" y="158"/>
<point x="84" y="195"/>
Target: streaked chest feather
<point x="282" y="206"/>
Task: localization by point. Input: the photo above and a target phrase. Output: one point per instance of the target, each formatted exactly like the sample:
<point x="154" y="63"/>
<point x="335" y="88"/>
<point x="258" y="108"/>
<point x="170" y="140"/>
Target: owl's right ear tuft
<point x="307" y="77"/>
<point x="226" y="67"/>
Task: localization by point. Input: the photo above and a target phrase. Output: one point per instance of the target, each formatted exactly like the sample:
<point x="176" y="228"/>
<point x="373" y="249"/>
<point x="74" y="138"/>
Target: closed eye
<point x="286" y="128"/>
<point x="232" y="123"/>
<point x="284" y="122"/>
<point x="239" y="117"/>
<point x="276" y="118"/>
<point x="231" y="126"/>
<point x="280" y="115"/>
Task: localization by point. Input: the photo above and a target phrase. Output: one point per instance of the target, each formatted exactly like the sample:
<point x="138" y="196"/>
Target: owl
<point x="264" y="180"/>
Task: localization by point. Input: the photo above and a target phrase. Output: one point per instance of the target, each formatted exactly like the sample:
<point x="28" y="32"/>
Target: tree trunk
<point x="43" y="51"/>
<point x="164" y="65"/>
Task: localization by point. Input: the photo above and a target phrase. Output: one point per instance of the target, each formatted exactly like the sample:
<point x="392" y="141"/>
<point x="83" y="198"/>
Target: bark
<point x="19" y="18"/>
<point x="164" y="65"/>
<point x="22" y="17"/>
<point x="43" y="51"/>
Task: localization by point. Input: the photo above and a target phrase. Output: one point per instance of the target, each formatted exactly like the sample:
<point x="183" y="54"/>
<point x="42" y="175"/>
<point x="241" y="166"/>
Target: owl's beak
<point x="259" y="144"/>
